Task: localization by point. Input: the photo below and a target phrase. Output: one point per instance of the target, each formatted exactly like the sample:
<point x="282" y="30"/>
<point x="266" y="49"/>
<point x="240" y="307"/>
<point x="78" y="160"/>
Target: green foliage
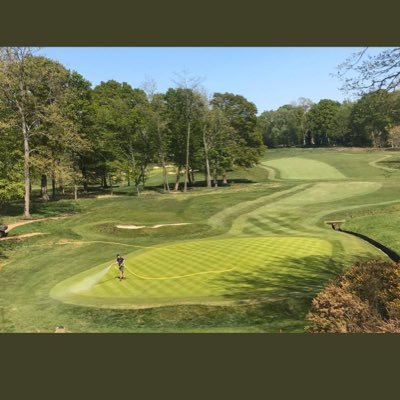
<point x="184" y="106"/>
<point x="372" y="117"/>
<point x="241" y="114"/>
<point x="122" y="136"/>
<point x="11" y="166"/>
<point x="283" y="127"/>
<point x="322" y="122"/>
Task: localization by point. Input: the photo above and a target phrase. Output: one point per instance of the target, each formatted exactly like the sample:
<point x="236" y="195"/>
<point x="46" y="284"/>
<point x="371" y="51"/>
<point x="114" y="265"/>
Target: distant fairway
<point x="199" y="271"/>
<point x="303" y="169"/>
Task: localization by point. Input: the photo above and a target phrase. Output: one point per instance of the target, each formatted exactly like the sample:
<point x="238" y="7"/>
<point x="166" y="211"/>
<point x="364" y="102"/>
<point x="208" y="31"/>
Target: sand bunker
<point x="149" y="226"/>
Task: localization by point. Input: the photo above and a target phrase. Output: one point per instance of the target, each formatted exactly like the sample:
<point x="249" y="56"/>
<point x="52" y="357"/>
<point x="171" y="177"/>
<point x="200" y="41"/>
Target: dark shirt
<point x="120" y="261"/>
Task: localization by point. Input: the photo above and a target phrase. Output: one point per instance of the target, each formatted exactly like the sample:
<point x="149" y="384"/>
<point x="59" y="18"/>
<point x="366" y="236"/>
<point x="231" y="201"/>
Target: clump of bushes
<point x="365" y="298"/>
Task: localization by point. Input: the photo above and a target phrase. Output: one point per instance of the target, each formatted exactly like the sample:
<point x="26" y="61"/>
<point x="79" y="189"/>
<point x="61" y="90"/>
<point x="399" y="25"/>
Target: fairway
<point x="303" y="169"/>
<point x="199" y="269"/>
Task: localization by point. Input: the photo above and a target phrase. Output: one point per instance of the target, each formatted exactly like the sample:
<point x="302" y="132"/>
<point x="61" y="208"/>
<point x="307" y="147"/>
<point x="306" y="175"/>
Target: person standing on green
<point x="121" y="267"/>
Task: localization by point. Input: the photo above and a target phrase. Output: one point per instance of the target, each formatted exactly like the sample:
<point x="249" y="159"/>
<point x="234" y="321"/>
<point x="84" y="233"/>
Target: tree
<point x="341" y="124"/>
<point x="284" y="126"/>
<point x="11" y="162"/>
<point x="29" y="87"/>
<point x="185" y="107"/>
<point x="322" y="122"/>
<point x="371" y="118"/>
<point x="78" y="106"/>
<point x="241" y="115"/>
<point x="218" y="139"/>
<point x="123" y="141"/>
<point x="192" y="107"/>
<point x="158" y="122"/>
<point x="394" y="136"/>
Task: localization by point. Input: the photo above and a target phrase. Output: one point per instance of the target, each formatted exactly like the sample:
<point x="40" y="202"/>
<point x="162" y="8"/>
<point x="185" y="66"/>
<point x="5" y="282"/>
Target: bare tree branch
<point x="371" y="73"/>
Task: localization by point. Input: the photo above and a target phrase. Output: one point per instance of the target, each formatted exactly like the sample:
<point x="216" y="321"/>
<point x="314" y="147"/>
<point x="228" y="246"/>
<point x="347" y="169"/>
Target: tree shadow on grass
<point x="298" y="278"/>
<point x="44" y="209"/>
<point x="197" y="184"/>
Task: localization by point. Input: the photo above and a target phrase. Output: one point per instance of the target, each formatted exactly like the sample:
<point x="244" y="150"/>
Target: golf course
<point x="248" y="256"/>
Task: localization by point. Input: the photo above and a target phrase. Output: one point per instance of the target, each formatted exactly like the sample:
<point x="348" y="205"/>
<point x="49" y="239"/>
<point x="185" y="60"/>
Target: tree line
<point x="57" y="129"/>
<point x="371" y="121"/>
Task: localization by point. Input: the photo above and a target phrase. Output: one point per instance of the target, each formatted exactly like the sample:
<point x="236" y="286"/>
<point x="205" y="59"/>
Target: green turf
<point x="255" y="253"/>
<point x="303" y="169"/>
<point x="196" y="271"/>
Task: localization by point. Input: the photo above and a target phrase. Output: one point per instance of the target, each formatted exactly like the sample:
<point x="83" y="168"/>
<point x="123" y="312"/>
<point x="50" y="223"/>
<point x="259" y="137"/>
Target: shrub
<point x="365" y="298"/>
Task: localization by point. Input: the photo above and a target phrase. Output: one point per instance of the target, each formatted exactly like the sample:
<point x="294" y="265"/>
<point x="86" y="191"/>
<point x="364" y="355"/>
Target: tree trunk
<point x="224" y="180"/>
<point x="76" y="192"/>
<point x="165" y="175"/>
<point x="208" y="174"/>
<point x="178" y="177"/>
<point x="85" y="180"/>
<point x="187" y="158"/>
<point x="190" y="182"/>
<point x="215" y="178"/>
<point x="162" y="157"/>
<point x="104" y="181"/>
<point x="53" y="187"/>
<point x="27" y="179"/>
<point x="193" y="180"/>
<point x="143" y="176"/>
<point x="43" y="188"/>
<point x="111" y="185"/>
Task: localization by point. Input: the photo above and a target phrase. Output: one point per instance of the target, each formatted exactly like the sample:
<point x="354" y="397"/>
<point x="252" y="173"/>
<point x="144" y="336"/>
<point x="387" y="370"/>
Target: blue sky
<point x="268" y="76"/>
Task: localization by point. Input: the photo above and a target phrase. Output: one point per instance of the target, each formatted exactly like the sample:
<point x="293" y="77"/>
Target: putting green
<point x="201" y="271"/>
<point x="303" y="169"/>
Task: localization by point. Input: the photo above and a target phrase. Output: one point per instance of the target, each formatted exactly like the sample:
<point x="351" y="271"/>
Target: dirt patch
<point x="25" y="235"/>
<point x="148" y="226"/>
<point x="30" y="221"/>
<point x="105" y="196"/>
